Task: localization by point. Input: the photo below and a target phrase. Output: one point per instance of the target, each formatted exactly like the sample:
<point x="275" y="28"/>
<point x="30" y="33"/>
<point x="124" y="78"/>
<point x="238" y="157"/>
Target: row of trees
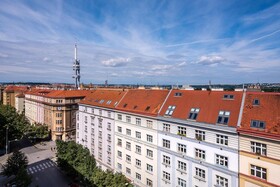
<point x="18" y="125"/>
<point x="78" y="163"/>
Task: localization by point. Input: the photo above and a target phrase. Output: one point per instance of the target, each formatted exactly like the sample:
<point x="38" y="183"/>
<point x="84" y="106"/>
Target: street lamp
<point x="7" y="141"/>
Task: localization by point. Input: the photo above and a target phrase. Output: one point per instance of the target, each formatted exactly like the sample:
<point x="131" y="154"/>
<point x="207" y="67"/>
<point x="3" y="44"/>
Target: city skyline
<point x="158" y="42"/>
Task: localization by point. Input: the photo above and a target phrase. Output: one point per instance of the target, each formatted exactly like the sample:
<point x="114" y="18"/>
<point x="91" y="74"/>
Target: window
<point x="193" y="113"/>
<point x="166" y="143"/>
<point x="128" y="158"/>
<point x="200" y="154"/>
<point x="221" y="181"/>
<point x="182" y="166"/>
<point x="228" y="96"/>
<point x="119" y="142"/>
<point x="138" y="176"/>
<point x="128" y="119"/>
<point x="109" y="138"/>
<point x="149" y="183"/>
<point x="200" y="173"/>
<point x="170" y="110"/>
<point x="109" y="114"/>
<point x="109" y="126"/>
<point x="166" y="176"/>
<point x="119" y="117"/>
<point x="178" y="94"/>
<point x="149" y="138"/>
<point x="128" y="132"/>
<point x="257" y="124"/>
<point x="221" y="139"/>
<point x="199" y="135"/>
<point x="128" y="171"/>
<point x="128" y="145"/>
<point x="182" y="148"/>
<point x="149" y="153"/>
<point x="119" y="166"/>
<point x="221" y="160"/>
<point x="119" y="154"/>
<point x="258" y="172"/>
<point x="149" y="124"/>
<point x="256" y="102"/>
<point x="138" y="121"/>
<point x="182" y="131"/>
<point x="138" y="149"/>
<point x="108" y="102"/>
<point x="166" y="127"/>
<point x="119" y="129"/>
<point x="138" y="163"/>
<point x="258" y="148"/>
<point x="101" y="101"/>
<point x="149" y="168"/>
<point x="109" y="160"/>
<point x="182" y="182"/>
<point x="138" y="134"/>
<point x="166" y="160"/>
<point x="100" y="112"/>
<point x="223" y="117"/>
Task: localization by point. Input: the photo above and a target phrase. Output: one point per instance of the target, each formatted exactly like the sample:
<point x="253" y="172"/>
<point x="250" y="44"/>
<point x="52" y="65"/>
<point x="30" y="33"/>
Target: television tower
<point x="76" y="69"/>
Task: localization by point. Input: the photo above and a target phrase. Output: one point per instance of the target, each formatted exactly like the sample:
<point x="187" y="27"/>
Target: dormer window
<point x="135" y="107"/>
<point x="193" y="113"/>
<point x="178" y="94"/>
<point x="256" y="102"/>
<point x="124" y="105"/>
<point x="170" y="110"/>
<point x="257" y="124"/>
<point x="223" y="117"/>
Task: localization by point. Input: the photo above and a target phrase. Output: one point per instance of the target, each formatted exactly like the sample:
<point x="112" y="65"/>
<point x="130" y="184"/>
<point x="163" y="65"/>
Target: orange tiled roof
<point x="209" y="104"/>
<point x="104" y="98"/>
<point x="267" y="111"/>
<point x="146" y="102"/>
<point x="68" y="93"/>
<point x="12" y="88"/>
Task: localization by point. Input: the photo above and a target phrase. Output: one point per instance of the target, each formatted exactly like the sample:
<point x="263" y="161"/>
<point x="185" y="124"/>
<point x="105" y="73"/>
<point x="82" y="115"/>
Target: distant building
<point x="10" y="92"/>
<point x="260" y="140"/>
<point x="55" y="108"/>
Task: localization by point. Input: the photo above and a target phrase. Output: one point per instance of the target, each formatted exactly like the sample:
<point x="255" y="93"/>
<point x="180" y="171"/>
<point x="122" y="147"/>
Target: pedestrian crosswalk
<point x="40" y="167"/>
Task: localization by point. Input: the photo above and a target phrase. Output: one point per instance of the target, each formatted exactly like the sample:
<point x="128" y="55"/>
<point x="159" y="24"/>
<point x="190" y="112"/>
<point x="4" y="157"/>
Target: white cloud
<point x="116" y="62"/>
<point x="211" y="60"/>
<point x="2" y="55"/>
<point x="46" y="59"/>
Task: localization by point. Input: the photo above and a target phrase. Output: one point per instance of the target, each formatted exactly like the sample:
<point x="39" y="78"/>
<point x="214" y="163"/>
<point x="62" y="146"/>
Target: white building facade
<point x="95" y="130"/>
<point x="136" y="148"/>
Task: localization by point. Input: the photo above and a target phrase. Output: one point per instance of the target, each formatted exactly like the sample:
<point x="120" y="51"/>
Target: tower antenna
<point x="76" y="68"/>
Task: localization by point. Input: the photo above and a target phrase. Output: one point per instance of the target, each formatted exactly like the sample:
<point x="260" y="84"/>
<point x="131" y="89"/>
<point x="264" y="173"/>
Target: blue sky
<point x="141" y="42"/>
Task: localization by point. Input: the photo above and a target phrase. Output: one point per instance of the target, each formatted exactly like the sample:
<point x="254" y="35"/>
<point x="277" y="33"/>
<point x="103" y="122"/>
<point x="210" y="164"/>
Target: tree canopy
<point x="77" y="161"/>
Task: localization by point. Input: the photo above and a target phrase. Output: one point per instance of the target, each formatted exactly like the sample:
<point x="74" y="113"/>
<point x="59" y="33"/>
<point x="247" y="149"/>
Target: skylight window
<point x="223" y="117"/>
<point x="256" y="102"/>
<point x="101" y="101"/>
<point x="170" y="110"/>
<point x="135" y="107"/>
<point x="193" y="113"/>
<point x="124" y="105"/>
<point x="108" y="102"/>
<point x="148" y="108"/>
<point x="228" y="96"/>
<point x="178" y="94"/>
<point x="258" y="124"/>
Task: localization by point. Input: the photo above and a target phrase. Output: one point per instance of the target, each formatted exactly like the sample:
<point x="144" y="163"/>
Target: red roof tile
<point x="267" y="111"/>
<point x="12" y="88"/>
<point x="146" y="102"/>
<point x="209" y="104"/>
<point x="103" y="98"/>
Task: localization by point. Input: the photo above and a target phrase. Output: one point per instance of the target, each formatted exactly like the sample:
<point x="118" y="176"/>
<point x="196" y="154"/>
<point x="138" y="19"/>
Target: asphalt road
<point x="45" y="174"/>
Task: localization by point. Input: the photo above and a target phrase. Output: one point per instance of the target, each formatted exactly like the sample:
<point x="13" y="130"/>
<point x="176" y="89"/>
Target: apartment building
<point x="10" y="92"/>
<point x="96" y="125"/>
<point x="260" y="140"/>
<point x="55" y="108"/>
<point x="197" y="139"/>
<point x="136" y="136"/>
<point x="19" y="102"/>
